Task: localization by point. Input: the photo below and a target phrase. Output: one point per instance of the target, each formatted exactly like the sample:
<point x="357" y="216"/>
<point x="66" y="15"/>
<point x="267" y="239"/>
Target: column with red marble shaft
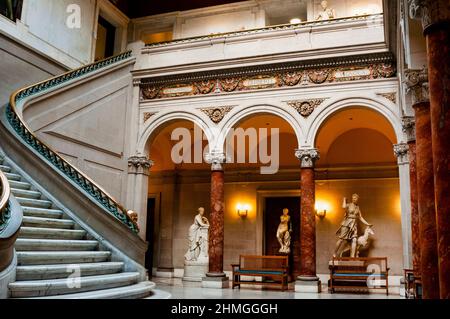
<point x="409" y="129"/>
<point x="216" y="278"/>
<point x="307" y="281"/>
<point x="418" y="85"/>
<point x="435" y="16"/>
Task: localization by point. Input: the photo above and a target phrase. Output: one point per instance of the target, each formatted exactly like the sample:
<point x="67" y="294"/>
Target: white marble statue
<point x="326" y="13"/>
<point x="198" y="238"/>
<point x="284" y="232"/>
<point x="348" y="231"/>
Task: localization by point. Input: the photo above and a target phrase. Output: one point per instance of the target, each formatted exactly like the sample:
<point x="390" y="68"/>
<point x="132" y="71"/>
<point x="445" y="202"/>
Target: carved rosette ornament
<point x="306" y="107"/>
<point x="216" y="114"/>
<point x="139" y="164"/>
<point x="401" y="152"/>
<point x="307" y="157"/>
<point x="417" y="84"/>
<point x="409" y="128"/>
<point x="216" y="159"/>
<point x="389" y="96"/>
<point x="430" y="12"/>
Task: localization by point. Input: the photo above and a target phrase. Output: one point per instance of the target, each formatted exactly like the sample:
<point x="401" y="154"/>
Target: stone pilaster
<point x="307" y="281"/>
<point x="216" y="278"/>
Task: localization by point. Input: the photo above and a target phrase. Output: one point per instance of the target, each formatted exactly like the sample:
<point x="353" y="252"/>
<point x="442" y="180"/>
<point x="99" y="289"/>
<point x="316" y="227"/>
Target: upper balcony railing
<point x="363" y="33"/>
<point x="14" y="112"/>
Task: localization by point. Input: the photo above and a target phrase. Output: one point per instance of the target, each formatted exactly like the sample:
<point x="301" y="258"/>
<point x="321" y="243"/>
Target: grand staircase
<point x="58" y="259"/>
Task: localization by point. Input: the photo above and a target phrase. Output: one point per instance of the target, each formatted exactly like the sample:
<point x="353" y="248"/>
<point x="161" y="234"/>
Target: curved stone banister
<point x="14" y="115"/>
<point x="5" y="208"/>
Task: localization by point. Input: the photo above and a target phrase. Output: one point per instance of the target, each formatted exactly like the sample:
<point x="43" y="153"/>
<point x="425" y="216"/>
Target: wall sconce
<point x="321" y="210"/>
<point x="242" y="210"/>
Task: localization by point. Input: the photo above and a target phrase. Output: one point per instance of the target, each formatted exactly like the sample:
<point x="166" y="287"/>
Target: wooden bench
<point x="359" y="273"/>
<point x="273" y="267"/>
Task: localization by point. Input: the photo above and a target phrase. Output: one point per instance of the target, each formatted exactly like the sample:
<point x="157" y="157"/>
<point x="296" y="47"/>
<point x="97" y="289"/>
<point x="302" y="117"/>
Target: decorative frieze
<point x="139" y="164"/>
<point x="305" y="107"/>
<point x="307" y="157"/>
<point x="401" y="152"/>
<point x="216" y="114"/>
<point x="417" y="84"/>
<point x="409" y="128"/>
<point x="216" y="159"/>
<point x="389" y="96"/>
<point x="270" y="76"/>
<point x="430" y="12"/>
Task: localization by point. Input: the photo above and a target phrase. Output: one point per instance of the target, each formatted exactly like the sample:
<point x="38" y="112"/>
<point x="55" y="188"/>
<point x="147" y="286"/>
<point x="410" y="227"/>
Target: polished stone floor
<point x="189" y="290"/>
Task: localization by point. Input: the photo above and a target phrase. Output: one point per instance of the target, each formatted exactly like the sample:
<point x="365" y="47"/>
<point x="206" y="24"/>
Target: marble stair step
<point x="61" y="257"/>
<point x="41" y="272"/>
<point x="28" y="202"/>
<point x="5" y="169"/>
<point x="42" y="212"/>
<point x="13" y="177"/>
<point x="54" y="287"/>
<point x="26" y="193"/>
<point x="51" y="233"/>
<point x="20" y="185"/>
<point x="47" y="222"/>
<point x="28" y="244"/>
<point x="137" y="291"/>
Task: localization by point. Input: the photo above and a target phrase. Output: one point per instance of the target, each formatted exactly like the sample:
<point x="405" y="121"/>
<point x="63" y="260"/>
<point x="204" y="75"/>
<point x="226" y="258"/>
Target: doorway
<point x="106" y="36"/>
<point x="149" y="255"/>
<point x="273" y="209"/>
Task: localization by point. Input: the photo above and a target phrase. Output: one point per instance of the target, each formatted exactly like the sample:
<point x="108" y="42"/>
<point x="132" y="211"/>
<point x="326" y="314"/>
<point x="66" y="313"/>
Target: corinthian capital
<point x="216" y="159"/>
<point x="401" y="152"/>
<point x="139" y="164"/>
<point x="307" y="157"/>
<point x="409" y="128"/>
<point x="417" y="84"/>
<point x="430" y="12"/>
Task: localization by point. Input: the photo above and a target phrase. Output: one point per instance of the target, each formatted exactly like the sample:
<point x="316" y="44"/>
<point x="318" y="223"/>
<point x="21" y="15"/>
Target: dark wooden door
<point x="151" y="203"/>
<point x="273" y="210"/>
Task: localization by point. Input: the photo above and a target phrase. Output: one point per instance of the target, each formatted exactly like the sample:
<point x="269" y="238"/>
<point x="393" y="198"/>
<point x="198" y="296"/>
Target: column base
<point x="308" y="284"/>
<point x="215" y="281"/>
<point x="164" y="273"/>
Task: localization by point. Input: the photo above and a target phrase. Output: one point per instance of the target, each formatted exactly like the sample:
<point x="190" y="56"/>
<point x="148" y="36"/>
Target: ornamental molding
<point x="409" y="128"/>
<point x="389" y="96"/>
<point x="217" y="114"/>
<point x="416" y="82"/>
<point x="401" y="152"/>
<point x="148" y="115"/>
<point x="307" y="157"/>
<point x="136" y="82"/>
<point x="270" y="76"/>
<point x="430" y="12"/>
<point x="139" y="164"/>
<point x="305" y="107"/>
<point x="216" y="159"/>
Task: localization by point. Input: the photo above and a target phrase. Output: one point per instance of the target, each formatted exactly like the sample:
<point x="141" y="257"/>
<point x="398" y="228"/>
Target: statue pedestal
<point x="195" y="270"/>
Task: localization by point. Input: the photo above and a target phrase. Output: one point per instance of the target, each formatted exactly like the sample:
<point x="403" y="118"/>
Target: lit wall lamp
<point x="321" y="210"/>
<point x="242" y="210"/>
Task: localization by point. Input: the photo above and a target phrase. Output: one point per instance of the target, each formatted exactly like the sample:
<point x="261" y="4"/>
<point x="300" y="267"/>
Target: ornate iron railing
<point x="5" y="208"/>
<point x="14" y="116"/>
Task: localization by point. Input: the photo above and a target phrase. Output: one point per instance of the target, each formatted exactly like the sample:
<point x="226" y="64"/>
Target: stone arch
<point x="327" y="111"/>
<point x="164" y="118"/>
<point x="243" y="112"/>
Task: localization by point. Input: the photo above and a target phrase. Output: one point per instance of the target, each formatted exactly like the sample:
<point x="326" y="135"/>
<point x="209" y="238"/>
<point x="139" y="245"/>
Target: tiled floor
<point x="188" y="290"/>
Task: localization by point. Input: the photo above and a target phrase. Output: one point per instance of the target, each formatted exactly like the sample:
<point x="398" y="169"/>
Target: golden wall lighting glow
<point x="322" y="208"/>
<point x="242" y="210"/>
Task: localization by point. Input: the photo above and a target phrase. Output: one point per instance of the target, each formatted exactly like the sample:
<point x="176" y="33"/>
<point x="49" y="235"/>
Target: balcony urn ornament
<point x="348" y="231"/>
<point x="326" y="13"/>
<point x="196" y="259"/>
<point x="284" y="232"/>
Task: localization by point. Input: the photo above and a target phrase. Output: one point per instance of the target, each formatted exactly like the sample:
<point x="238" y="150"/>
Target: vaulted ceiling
<point x="142" y="8"/>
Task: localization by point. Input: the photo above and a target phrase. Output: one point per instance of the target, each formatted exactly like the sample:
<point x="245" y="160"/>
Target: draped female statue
<point x="198" y="238"/>
<point x="284" y="232"/>
<point x="326" y="13"/>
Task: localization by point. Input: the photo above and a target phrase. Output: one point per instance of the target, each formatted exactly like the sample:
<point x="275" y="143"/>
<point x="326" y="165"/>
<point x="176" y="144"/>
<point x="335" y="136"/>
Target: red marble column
<point x="438" y="43"/>
<point x="425" y="199"/>
<point x="307" y="214"/>
<point x="415" y="230"/>
<point x="216" y="230"/>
